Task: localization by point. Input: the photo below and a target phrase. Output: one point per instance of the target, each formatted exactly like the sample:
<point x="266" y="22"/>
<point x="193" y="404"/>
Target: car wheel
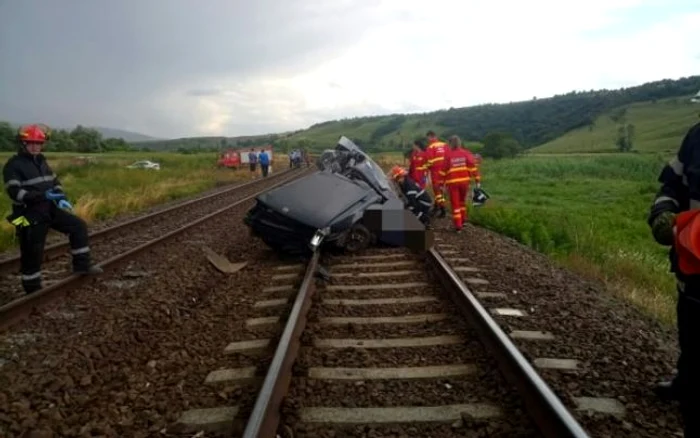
<point x="358" y="238"/>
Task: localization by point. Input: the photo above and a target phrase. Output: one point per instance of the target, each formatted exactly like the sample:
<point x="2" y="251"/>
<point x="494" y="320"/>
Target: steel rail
<point x="17" y="310"/>
<point x="549" y="414"/>
<point x="49" y="250"/>
<point x="264" y="419"/>
<point x="544" y="407"/>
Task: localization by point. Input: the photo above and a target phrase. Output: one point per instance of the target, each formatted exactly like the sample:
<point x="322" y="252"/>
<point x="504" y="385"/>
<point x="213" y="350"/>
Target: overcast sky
<point x="172" y="68"/>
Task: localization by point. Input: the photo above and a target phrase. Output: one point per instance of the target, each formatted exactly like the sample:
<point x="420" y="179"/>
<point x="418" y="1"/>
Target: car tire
<point x="357" y="239"/>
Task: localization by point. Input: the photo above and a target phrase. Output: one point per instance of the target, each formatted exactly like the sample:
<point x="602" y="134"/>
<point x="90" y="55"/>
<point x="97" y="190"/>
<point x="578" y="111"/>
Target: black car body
<point x="348" y="204"/>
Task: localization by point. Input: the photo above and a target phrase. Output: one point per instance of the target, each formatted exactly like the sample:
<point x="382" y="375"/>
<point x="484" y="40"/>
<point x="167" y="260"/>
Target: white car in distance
<point x="146" y="164"/>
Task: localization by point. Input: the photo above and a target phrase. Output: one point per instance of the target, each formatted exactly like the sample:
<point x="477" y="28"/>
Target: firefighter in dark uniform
<point x="419" y="201"/>
<point x="678" y="197"/>
<point x="38" y="204"/>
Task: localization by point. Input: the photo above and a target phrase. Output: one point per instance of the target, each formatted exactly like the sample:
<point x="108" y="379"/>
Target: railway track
<point x="121" y="237"/>
<point x="131" y="238"/>
<point x="382" y="349"/>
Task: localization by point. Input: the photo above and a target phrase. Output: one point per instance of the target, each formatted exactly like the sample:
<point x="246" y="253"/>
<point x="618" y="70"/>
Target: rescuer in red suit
<point x="435" y="155"/>
<point x="458" y="167"/>
<point x="416" y="169"/>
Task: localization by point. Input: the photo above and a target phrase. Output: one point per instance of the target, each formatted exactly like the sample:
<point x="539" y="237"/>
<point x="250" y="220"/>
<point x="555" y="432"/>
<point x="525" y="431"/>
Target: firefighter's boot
<point x="90" y="270"/>
<point x="83" y="266"/>
<point x="31" y="288"/>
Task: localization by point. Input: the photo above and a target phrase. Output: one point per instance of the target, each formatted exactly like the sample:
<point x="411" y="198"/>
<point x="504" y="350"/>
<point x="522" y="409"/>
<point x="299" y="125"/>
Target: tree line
<point x="79" y="139"/>
<point x="530" y="123"/>
<point x="502" y="128"/>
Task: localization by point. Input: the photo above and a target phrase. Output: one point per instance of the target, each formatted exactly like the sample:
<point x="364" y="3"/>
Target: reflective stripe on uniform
<point x="33" y="276"/>
<point x="21" y="194"/>
<point x="82" y="250"/>
<point x="664" y="198"/>
<point x="458" y="180"/>
<point x="13" y="182"/>
<point x="38" y="179"/>
<point x="677" y="166"/>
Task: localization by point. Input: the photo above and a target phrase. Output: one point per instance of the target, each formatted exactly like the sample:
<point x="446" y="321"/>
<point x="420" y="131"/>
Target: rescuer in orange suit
<point x="458" y="167"/>
<point x="674" y="219"/>
<point x="416" y="169"/>
<point x="435" y="155"/>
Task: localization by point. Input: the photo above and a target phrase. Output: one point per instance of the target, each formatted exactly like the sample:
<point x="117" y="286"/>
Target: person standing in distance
<point x="264" y="160"/>
<point x="253" y="162"/>
<point x="38" y="204"/>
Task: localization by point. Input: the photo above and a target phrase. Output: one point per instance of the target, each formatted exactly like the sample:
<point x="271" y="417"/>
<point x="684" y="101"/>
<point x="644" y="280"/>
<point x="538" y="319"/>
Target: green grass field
<point x="659" y="127"/>
<point x="106" y="188"/>
<point x="587" y="212"/>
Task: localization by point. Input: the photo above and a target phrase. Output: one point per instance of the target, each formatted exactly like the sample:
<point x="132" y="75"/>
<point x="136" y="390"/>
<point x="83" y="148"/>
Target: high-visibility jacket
<point x="435" y="155"/>
<point x="459" y="166"/>
<point x="417" y="167"/>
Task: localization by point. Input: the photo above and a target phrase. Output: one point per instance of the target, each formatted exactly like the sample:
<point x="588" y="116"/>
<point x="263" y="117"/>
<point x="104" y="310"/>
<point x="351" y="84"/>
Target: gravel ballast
<point x="621" y="353"/>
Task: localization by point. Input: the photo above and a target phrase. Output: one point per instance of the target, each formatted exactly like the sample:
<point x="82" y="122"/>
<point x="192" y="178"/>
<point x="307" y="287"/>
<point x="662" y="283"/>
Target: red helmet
<point x="397" y="171"/>
<point x="33" y="134"/>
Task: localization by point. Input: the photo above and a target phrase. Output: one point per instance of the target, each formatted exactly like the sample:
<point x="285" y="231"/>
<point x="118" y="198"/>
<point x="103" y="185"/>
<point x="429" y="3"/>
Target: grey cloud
<point x="204" y="92"/>
<point x="110" y="63"/>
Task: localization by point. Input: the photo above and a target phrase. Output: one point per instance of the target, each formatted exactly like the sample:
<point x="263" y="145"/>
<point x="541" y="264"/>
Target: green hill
<point x="532" y="123"/>
<point x="659" y="126"/>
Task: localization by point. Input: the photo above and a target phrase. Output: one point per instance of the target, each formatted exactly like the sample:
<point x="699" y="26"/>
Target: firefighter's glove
<point x="54" y="195"/>
<point x="65" y="205"/>
<point x="663" y="228"/>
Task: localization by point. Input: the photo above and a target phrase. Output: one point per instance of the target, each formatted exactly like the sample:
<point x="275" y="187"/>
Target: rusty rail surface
<point x="264" y="419"/>
<point x="549" y="414"/>
<point x="51" y="250"/>
<point x="15" y="311"/>
<point x="544" y="407"/>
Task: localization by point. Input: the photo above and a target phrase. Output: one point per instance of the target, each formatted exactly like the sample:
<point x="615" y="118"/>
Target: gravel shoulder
<point x="621" y="352"/>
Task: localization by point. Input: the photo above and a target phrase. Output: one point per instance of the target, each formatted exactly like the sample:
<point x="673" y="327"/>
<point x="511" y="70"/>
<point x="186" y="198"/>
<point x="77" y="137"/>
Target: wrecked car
<point x="347" y="204"/>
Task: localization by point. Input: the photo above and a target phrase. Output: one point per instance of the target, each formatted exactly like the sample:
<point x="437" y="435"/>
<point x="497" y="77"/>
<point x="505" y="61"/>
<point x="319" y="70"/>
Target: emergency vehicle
<point x="230" y="159"/>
